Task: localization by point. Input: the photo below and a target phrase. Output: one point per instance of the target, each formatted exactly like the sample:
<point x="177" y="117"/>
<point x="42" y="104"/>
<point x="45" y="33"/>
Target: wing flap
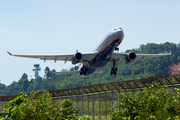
<point x="98" y="72"/>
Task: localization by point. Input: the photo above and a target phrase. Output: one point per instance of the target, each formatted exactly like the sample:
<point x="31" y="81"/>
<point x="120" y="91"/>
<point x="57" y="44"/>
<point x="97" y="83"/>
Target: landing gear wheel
<point x="81" y="73"/>
<point x="116" y="69"/>
<point x="111" y="72"/>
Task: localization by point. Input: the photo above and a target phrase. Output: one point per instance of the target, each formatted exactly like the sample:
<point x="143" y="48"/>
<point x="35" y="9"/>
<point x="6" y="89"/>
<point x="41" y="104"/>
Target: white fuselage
<point x="115" y="33"/>
<point x="104" y="50"/>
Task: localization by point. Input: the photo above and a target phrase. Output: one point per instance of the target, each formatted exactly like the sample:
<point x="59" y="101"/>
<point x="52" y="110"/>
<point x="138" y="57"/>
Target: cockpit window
<point x="116" y="28"/>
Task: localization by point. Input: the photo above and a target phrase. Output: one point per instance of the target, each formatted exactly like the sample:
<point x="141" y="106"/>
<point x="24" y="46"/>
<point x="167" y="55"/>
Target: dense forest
<point x="139" y="69"/>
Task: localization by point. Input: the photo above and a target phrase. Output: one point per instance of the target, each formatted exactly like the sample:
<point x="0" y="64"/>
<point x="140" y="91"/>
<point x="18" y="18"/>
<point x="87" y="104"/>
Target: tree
<point x="25" y="85"/>
<point x="47" y="73"/>
<point x="38" y="79"/>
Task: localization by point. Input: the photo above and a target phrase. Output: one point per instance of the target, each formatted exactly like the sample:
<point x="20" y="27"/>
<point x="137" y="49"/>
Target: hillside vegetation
<point x="139" y="69"/>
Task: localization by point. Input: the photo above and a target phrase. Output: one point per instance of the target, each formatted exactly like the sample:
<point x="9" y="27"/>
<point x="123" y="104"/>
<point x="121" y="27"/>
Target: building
<point x="36" y="69"/>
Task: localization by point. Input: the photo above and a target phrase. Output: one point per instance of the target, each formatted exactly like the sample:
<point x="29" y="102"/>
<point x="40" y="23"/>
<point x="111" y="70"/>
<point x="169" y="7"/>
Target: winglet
<point x="170" y="51"/>
<point x="9" y="53"/>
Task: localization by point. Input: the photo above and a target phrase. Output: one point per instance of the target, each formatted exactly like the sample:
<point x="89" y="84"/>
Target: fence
<point x="100" y="99"/>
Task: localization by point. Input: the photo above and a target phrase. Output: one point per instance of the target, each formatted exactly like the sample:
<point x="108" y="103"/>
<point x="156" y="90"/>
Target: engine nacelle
<point x="76" y="58"/>
<point x="130" y="57"/>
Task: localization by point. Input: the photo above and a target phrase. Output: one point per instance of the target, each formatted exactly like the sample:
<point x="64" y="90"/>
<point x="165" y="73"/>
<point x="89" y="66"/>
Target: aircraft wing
<point x="66" y="57"/>
<point x="121" y="56"/>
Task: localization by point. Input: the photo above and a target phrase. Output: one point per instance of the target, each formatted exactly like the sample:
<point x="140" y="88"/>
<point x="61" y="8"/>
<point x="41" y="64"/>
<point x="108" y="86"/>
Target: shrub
<point x="150" y="103"/>
<point x="39" y="107"/>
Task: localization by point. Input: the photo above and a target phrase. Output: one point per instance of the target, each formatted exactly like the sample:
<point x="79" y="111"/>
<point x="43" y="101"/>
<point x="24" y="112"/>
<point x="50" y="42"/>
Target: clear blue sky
<point x="58" y="27"/>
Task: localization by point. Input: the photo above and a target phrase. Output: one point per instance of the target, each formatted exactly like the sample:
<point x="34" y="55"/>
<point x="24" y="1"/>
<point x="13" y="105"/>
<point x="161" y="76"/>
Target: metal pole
<point x="77" y="101"/>
<point x="112" y="102"/>
<point x="99" y="105"/>
<point x="72" y="99"/>
<point x="93" y="106"/>
<point x="82" y="106"/>
<point x="106" y="104"/>
<point x="57" y="102"/>
<point x="173" y="91"/>
<point x="119" y="98"/>
<point x="88" y="104"/>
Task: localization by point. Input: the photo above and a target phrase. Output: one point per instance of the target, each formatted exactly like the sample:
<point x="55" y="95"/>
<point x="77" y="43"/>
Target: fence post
<point x="106" y="104"/>
<point x="82" y="106"/>
<point x="119" y="98"/>
<point x="88" y="104"/>
<point x="77" y="101"/>
<point x="99" y="105"/>
<point x="112" y="101"/>
<point x="93" y="106"/>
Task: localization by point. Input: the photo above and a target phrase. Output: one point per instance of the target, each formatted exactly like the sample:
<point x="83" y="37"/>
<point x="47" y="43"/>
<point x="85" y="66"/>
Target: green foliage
<point x="39" y="107"/>
<point x="85" y="117"/>
<point x="149" y="104"/>
<point x="12" y="104"/>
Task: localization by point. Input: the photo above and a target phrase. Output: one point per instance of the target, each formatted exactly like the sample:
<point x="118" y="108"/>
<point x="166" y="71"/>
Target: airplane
<point x="103" y="54"/>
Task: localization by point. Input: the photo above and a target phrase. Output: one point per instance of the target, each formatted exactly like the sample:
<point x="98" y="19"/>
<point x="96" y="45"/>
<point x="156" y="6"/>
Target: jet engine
<point x="130" y="57"/>
<point x="76" y="58"/>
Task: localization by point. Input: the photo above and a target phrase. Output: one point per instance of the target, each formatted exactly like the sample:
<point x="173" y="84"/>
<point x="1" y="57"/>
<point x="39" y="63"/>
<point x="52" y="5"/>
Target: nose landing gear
<point x="116" y="47"/>
<point x="113" y="71"/>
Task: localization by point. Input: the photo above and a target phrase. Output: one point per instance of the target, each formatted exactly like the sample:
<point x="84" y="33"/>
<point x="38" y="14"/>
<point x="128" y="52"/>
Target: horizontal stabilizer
<point x="98" y="72"/>
<point x="66" y="72"/>
<point x="72" y="72"/>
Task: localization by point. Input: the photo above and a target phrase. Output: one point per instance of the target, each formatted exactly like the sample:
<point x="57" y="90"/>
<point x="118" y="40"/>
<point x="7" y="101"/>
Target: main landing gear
<point x="114" y="69"/>
<point x="83" y="70"/>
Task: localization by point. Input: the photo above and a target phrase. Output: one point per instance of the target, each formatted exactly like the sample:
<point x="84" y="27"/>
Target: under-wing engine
<point x="76" y="58"/>
<point x="130" y="57"/>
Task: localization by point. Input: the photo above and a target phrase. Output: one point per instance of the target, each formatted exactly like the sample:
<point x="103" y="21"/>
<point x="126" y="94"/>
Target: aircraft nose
<point x="118" y="32"/>
<point x="121" y="34"/>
